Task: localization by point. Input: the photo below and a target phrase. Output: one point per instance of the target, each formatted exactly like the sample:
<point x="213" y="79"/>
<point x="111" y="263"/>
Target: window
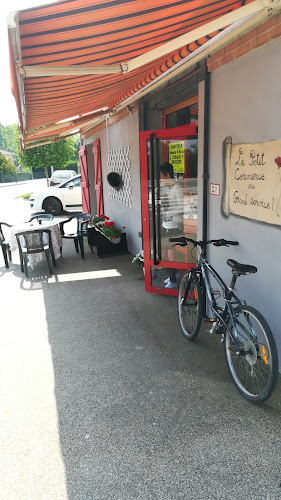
<point x="182" y="113"/>
<point x="76" y="182"/>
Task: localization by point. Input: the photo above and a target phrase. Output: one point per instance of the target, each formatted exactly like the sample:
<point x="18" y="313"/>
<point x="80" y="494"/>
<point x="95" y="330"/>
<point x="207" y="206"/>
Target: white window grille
<point x="118" y="160"/>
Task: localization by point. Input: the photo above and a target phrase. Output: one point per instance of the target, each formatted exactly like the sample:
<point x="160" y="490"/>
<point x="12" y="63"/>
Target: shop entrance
<point x="169" y="204"/>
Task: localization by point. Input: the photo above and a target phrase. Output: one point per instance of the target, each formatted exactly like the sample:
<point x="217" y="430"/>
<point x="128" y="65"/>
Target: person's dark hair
<point x="167" y="168"/>
<point x="114" y="180"/>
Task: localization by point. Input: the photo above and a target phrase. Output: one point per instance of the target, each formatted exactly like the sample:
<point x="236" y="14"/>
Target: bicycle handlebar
<point x="183" y="241"/>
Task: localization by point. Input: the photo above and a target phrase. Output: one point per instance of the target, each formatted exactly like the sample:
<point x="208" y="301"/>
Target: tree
<point x="11" y="134"/>
<point x="6" y="167"/>
<point x="56" y="154"/>
<point x="9" y="139"/>
<point x="74" y="161"/>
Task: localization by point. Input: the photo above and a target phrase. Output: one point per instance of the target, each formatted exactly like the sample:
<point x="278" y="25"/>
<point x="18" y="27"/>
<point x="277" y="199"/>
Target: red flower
<point x="278" y="161"/>
<point x="123" y="227"/>
<point x="108" y="224"/>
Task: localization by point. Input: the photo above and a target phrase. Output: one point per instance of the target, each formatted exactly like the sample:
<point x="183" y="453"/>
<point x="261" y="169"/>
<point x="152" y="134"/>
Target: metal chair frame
<point x="41" y="217"/>
<point x="5" y="246"/>
<point x="82" y="221"/>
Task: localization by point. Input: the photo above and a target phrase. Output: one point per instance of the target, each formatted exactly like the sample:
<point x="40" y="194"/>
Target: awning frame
<point x="227" y="36"/>
<point x="152" y="55"/>
<point x="254" y="13"/>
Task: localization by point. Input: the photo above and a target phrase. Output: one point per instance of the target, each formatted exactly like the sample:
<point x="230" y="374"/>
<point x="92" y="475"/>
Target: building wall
<point x="245" y="104"/>
<point x="123" y="134"/>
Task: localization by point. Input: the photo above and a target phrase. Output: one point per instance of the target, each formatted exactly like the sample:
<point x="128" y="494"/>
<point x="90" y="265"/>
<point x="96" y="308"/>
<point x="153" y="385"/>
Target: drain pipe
<point x="206" y="161"/>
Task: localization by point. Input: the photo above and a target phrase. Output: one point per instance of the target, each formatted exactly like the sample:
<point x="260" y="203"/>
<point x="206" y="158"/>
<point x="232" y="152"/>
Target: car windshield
<point x="74" y="181"/>
<point x="63" y="175"/>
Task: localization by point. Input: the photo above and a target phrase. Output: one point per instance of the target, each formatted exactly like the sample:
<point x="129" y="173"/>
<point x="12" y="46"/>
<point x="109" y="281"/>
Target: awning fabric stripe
<point x="110" y="32"/>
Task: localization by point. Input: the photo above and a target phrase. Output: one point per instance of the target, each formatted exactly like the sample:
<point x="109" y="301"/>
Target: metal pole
<point x="206" y="161"/>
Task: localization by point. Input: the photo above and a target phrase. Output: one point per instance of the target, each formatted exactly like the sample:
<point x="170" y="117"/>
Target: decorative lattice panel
<point x="118" y="160"/>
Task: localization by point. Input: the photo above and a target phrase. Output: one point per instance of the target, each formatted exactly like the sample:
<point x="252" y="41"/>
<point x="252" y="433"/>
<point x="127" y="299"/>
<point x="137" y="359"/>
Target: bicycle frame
<point x="230" y="299"/>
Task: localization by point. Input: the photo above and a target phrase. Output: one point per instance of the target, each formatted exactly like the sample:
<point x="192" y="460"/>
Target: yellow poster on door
<point x="176" y="156"/>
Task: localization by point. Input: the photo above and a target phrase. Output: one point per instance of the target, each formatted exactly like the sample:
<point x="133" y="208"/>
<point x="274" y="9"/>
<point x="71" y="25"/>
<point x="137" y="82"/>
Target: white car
<point x="54" y="200"/>
<point x="60" y="176"/>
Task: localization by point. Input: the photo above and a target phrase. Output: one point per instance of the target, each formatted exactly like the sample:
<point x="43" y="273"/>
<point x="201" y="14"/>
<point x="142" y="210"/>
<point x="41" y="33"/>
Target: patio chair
<point x="37" y="241"/>
<point x="82" y="220"/>
<point x="5" y="245"/>
<point x="41" y="217"/>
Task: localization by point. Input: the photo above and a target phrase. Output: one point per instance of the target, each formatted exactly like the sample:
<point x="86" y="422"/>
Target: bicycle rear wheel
<point x="190" y="306"/>
<point x="255" y="369"/>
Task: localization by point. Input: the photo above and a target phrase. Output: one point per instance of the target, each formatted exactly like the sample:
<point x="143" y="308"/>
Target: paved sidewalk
<point x="5" y="184"/>
<point x="103" y="399"/>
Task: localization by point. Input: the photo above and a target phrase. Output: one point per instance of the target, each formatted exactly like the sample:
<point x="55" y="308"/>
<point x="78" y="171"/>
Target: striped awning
<point x="82" y="57"/>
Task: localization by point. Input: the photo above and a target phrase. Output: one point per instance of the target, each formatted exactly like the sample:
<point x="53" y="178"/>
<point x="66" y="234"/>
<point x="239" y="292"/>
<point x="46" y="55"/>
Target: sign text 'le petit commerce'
<point x="253" y="180"/>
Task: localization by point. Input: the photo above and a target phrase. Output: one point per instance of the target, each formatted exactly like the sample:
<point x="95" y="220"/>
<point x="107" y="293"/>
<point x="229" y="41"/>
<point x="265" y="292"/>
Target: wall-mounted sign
<point x="176" y="156"/>
<point x="215" y="189"/>
<point x="253" y="180"/>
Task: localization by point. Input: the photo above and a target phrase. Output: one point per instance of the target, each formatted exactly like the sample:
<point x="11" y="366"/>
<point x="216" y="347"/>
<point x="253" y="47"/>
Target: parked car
<point x="60" y="176"/>
<point x="54" y="200"/>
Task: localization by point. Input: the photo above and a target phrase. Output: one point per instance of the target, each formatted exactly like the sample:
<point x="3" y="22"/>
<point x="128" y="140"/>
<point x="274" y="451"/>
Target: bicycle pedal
<point x="213" y="328"/>
<point x="205" y="319"/>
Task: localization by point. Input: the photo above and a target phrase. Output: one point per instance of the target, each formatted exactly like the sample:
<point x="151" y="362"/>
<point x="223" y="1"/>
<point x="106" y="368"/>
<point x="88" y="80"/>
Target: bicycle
<point x="250" y="349"/>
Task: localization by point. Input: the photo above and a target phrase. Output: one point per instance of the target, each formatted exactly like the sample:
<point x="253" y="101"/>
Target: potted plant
<point x="139" y="259"/>
<point x="112" y="232"/>
<point x="95" y="223"/>
<point x="98" y="220"/>
<point x="110" y="240"/>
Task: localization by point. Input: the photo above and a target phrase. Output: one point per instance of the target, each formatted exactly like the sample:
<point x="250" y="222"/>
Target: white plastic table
<point x="56" y="238"/>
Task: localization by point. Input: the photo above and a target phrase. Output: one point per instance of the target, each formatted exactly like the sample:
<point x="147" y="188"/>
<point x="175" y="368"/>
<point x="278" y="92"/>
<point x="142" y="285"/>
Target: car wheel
<point x="52" y="206"/>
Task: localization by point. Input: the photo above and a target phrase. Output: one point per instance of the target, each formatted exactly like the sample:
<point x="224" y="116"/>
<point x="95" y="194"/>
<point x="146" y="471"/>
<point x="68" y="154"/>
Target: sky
<point x="8" y="110"/>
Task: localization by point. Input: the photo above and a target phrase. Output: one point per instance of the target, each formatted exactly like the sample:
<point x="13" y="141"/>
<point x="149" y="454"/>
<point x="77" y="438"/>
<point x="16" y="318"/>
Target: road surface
<point x="13" y="208"/>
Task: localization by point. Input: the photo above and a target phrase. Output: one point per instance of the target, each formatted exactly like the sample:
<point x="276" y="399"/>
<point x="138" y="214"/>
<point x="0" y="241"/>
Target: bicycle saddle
<point x="241" y="268"/>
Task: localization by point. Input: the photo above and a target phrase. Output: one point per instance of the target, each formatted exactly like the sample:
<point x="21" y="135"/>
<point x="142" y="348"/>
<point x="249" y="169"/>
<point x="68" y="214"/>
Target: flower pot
<point x="107" y="248"/>
<point x="91" y="233"/>
<point x="115" y="240"/>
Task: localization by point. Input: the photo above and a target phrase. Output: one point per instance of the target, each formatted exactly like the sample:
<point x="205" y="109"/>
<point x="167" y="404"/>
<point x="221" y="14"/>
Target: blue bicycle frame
<point x="229" y="297"/>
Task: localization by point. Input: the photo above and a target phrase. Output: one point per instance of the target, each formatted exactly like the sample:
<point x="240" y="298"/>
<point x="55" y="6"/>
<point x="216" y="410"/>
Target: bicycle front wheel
<point x="255" y="368"/>
<point x="190" y="306"/>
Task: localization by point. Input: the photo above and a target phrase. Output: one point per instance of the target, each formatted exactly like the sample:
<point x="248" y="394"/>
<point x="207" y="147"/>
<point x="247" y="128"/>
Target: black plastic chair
<point x="41" y="217"/>
<point x="81" y="231"/>
<point x="38" y="241"/>
<point x="5" y="245"/>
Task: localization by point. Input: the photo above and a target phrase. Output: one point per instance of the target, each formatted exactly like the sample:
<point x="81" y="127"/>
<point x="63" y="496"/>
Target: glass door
<point x="169" y="204"/>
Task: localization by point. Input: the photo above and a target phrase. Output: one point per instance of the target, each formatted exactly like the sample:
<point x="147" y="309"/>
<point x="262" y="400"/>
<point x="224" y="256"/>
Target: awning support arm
<point x="205" y="29"/>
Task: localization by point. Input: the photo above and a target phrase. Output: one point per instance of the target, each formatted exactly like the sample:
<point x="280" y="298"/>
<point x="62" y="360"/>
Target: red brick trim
<point x="255" y="38"/>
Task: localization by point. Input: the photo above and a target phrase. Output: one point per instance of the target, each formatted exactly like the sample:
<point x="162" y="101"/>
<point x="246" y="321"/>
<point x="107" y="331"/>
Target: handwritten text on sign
<point x="176" y="156"/>
<point x="253" y="180"/>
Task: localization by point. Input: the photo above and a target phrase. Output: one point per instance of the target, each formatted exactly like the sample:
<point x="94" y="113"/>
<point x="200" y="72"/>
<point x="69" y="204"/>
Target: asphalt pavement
<point x="103" y="399"/>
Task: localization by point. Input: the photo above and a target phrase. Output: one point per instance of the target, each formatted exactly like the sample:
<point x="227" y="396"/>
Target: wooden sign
<point x="253" y="180"/>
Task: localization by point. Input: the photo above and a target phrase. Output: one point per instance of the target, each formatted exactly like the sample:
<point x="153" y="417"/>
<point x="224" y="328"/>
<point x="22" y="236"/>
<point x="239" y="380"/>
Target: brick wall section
<point x="258" y="36"/>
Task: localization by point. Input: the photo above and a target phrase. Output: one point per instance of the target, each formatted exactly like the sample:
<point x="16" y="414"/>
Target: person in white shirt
<point x="172" y="213"/>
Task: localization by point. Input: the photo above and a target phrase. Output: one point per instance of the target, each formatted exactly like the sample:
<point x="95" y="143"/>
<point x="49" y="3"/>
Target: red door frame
<point x="84" y="179"/>
<point x="181" y="133"/>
